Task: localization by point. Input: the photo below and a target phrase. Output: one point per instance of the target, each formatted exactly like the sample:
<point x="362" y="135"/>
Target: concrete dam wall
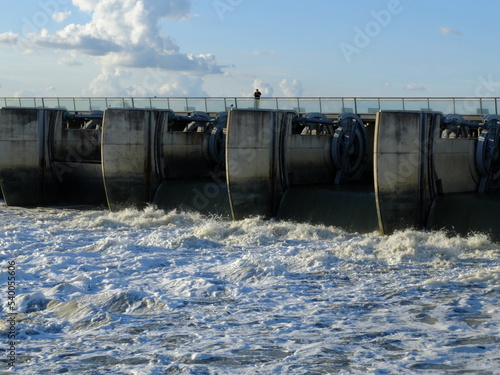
<point x="405" y="169"/>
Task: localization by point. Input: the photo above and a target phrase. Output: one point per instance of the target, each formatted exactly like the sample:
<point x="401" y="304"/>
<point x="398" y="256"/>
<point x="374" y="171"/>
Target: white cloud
<point x="265" y="88"/>
<point x="127" y="33"/>
<point x="448" y="30"/>
<point x="183" y="85"/>
<point x="145" y="82"/>
<point x="28" y="92"/>
<point x="9" y="38"/>
<point x="259" y="52"/>
<point x="111" y="82"/>
<point x="122" y="35"/>
<point x="415" y="87"/>
<point x="293" y="88"/>
<point x="70" y="61"/>
<point x="173" y="9"/>
<point x="60" y="16"/>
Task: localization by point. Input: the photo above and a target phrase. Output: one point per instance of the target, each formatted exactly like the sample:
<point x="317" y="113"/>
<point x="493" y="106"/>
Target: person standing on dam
<point x="256" y="96"/>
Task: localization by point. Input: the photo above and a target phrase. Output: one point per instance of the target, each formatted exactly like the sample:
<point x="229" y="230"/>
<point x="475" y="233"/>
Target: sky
<point x="228" y="48"/>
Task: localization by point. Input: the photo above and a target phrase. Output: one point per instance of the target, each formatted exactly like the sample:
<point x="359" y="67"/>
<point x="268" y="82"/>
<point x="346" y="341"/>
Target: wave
<point x="187" y="293"/>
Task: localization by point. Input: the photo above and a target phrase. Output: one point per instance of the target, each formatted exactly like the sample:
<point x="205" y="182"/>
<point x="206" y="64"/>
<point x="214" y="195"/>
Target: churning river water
<point x="150" y="292"/>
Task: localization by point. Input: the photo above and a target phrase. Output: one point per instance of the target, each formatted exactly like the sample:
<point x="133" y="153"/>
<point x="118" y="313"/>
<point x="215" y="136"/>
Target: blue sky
<point x="230" y="47"/>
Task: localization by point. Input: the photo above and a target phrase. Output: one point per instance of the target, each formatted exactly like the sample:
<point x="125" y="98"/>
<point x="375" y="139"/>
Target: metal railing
<point x="363" y="105"/>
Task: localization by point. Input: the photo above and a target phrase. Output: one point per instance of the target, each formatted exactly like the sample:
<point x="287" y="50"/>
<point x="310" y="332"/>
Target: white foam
<point x="143" y="291"/>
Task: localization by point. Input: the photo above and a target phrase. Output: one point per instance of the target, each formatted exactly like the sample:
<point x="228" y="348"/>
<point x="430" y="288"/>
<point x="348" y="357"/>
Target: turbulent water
<point x="149" y="292"/>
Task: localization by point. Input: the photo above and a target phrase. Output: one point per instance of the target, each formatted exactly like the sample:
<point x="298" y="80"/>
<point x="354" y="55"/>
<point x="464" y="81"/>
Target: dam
<point x="362" y="164"/>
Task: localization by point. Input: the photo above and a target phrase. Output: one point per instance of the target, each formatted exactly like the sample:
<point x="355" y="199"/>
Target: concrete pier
<point x="43" y="162"/>
<point x="25" y="169"/>
<point x="404" y="185"/>
<point x="131" y="152"/>
<point x="255" y="164"/>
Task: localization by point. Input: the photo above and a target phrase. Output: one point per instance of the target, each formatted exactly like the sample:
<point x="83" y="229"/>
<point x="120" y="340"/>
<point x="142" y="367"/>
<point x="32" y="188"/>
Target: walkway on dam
<point x="468" y="106"/>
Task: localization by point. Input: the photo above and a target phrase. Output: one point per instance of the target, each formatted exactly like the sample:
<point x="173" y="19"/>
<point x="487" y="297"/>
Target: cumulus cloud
<point x="9" y="38"/>
<point x="448" y="30"/>
<point x="28" y="92"/>
<point x="70" y="61"/>
<point x="77" y="42"/>
<point x="60" y="16"/>
<point x="127" y="33"/>
<point x="415" y="87"/>
<point x="183" y="85"/>
<point x="148" y="82"/>
<point x="291" y="88"/>
<point x="121" y="35"/>
<point x="173" y="9"/>
<point x="265" y="88"/>
<point x="111" y="82"/>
